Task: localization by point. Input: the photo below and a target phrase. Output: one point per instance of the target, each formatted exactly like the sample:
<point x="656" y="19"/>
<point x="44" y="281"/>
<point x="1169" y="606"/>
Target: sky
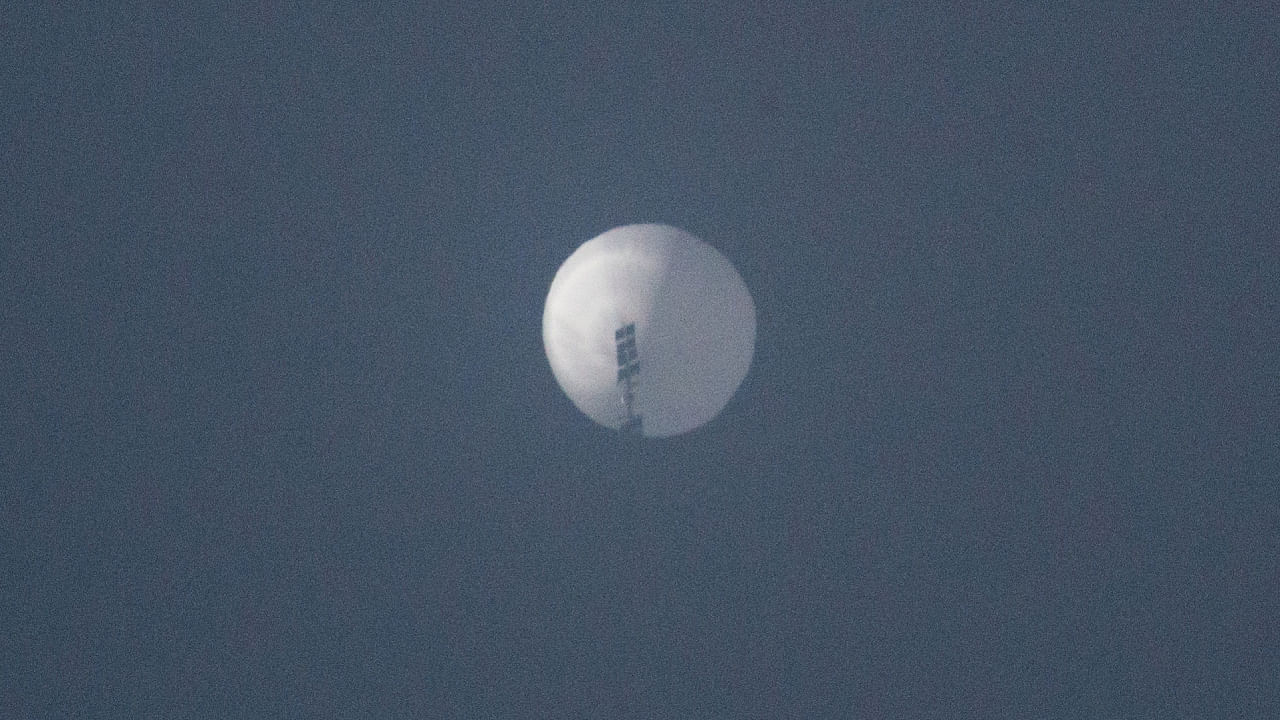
<point x="278" y="437"/>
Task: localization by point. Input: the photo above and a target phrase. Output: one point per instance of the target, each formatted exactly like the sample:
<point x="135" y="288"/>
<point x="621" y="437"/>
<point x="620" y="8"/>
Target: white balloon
<point x="695" y="327"/>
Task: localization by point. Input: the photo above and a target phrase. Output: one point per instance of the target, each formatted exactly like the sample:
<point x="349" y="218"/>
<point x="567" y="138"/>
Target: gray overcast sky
<point x="278" y="438"/>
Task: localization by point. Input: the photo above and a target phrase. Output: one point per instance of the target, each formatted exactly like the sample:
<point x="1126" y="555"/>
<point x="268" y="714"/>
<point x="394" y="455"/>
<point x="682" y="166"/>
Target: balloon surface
<point x="694" y="323"/>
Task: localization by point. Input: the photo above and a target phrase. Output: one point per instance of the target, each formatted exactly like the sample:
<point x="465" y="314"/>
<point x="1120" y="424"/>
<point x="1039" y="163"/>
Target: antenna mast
<point x="628" y="368"/>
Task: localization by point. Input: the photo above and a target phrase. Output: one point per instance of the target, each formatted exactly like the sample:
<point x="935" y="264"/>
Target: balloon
<point x="649" y="329"/>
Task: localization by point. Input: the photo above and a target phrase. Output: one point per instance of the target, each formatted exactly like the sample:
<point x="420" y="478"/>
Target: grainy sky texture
<point x="278" y="437"/>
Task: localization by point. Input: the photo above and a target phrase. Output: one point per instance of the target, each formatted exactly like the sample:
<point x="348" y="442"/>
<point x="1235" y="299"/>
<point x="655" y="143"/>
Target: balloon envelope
<point x="695" y="327"/>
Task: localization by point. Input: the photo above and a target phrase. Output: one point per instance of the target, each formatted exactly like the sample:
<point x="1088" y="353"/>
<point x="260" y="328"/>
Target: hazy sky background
<point x="278" y="437"/>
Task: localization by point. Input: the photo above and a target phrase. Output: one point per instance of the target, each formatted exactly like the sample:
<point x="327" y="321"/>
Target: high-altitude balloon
<point x="649" y="330"/>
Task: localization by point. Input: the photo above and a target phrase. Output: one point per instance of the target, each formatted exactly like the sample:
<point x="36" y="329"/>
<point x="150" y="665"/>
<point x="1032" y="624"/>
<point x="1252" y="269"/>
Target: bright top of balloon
<point x="649" y="329"/>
